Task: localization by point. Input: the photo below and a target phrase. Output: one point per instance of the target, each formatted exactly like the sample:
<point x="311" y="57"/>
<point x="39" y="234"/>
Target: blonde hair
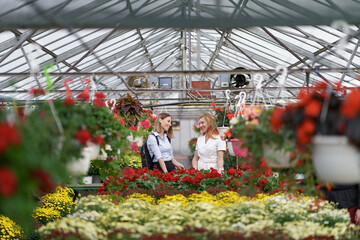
<point x="157" y="125"/>
<point x="212" y="128"/>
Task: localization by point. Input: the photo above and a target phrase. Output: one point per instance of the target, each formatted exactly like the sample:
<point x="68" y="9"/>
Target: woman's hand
<point x="180" y="165"/>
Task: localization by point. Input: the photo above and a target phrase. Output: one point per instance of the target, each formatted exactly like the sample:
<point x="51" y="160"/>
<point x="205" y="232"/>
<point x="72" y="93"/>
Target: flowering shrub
<point x="199" y="216"/>
<point x="181" y="179"/>
<point x="55" y="205"/>
<point x="9" y="229"/>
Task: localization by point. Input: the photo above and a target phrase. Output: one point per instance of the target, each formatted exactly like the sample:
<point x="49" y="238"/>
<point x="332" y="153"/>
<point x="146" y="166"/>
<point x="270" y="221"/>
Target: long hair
<point x="157" y="125"/>
<point x="212" y="128"/>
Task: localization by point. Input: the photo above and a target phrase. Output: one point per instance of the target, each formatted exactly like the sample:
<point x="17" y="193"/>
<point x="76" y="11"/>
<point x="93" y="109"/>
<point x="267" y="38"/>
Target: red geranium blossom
<point x="9" y="136"/>
<point x="43" y="179"/>
<point x="134" y="128"/>
<point x="99" y="139"/>
<point x="69" y="101"/>
<point x="8" y="182"/>
<point x="37" y="91"/>
<point x="83" y="136"/>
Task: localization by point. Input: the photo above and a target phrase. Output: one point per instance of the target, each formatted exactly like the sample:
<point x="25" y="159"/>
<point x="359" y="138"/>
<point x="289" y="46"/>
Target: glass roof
<point x="192" y="41"/>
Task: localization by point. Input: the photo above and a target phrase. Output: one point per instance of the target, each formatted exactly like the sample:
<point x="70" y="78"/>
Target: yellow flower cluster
<point x="55" y="205"/>
<point x="9" y="229"/>
<point x="131" y="159"/>
<point x="299" y="217"/>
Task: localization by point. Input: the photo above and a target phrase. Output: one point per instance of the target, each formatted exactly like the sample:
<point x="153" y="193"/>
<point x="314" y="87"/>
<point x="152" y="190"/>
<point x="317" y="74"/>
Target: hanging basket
<point x="94" y="150"/>
<point x="222" y="130"/>
<point x="277" y="158"/>
<point x="81" y="165"/>
<point x="234" y="148"/>
<point x="336" y="160"/>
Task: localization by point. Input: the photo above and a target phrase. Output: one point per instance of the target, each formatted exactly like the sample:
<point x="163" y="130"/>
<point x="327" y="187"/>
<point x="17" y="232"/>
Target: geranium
<point x="37" y="91"/>
<point x="45" y="182"/>
<point x="134" y="128"/>
<point x="146" y="124"/>
<point x="83" y="136"/>
<point x="9" y="136"/>
<point x="223" y="115"/>
<point x="8" y="182"/>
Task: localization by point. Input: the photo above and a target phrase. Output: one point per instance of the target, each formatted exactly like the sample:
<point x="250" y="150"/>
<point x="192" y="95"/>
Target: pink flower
<point x="134" y="146"/>
<point x="146" y="124"/>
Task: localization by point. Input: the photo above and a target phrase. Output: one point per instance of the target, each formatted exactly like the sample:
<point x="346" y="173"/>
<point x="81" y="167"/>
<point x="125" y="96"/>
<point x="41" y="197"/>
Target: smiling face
<point x="165" y="123"/>
<point x="203" y="124"/>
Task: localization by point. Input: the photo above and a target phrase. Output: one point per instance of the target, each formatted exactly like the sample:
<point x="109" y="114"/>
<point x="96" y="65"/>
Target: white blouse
<point x="207" y="152"/>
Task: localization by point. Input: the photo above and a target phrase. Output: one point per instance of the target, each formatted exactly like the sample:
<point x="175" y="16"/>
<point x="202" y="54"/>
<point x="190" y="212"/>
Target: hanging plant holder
<point x="278" y="158"/>
<point x="336" y="160"/>
<point x="234" y="148"/>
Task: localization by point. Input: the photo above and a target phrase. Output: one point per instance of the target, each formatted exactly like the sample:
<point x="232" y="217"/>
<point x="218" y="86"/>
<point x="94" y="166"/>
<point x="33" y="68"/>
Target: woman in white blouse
<point x="209" y="151"/>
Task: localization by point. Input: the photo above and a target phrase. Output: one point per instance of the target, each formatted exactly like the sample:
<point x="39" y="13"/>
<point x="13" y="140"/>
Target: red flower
<point x="37" y="91"/>
<point x="99" y="139"/>
<point x="134" y="146"/>
<point x="43" y="179"/>
<point x="351" y="106"/>
<point x="134" y="128"/>
<point x="230" y="115"/>
<point x="275" y="120"/>
<point x="129" y="172"/>
<point x="212" y="104"/>
<point x="312" y="109"/>
<point x="100" y="95"/>
<point x="83" y="136"/>
<point x="263" y="182"/>
<point x="8" y="182"/>
<point x="98" y="102"/>
<point x="69" y="101"/>
<point x="9" y="136"/>
<point x="146" y="123"/>
<point x="145" y="178"/>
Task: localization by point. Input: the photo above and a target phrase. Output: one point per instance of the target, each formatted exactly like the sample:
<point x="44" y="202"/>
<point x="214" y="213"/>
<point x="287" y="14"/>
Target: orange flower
<point x="351" y="106"/>
<point x="312" y="109"/>
<point x="276" y="121"/>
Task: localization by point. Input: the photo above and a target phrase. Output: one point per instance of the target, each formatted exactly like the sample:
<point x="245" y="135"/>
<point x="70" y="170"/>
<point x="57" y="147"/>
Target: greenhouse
<point x="183" y="119"/>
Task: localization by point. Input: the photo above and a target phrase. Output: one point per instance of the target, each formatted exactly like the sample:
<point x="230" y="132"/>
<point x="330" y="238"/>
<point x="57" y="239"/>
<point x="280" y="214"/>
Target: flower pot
<point x="336" y="160"/>
<point x="234" y="148"/>
<point x="222" y="130"/>
<point x="277" y="158"/>
<point x="93" y="150"/>
<point x="81" y="165"/>
<point x="87" y="179"/>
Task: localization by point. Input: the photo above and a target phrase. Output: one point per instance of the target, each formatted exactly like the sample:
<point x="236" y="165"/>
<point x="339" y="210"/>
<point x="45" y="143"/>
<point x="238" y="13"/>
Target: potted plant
<point x="223" y="116"/>
<point x="328" y="122"/>
<point x="254" y="138"/>
<point x="129" y="109"/>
